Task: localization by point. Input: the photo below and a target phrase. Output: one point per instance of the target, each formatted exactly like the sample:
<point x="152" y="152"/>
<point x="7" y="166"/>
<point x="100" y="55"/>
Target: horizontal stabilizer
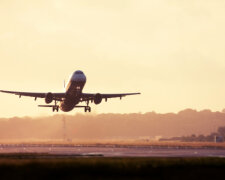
<point x="47" y="106"/>
<point x="80" y="106"/>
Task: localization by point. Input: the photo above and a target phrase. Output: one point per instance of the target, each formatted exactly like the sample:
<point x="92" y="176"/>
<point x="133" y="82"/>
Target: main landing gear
<point x="87" y="108"/>
<point x="55" y="108"/>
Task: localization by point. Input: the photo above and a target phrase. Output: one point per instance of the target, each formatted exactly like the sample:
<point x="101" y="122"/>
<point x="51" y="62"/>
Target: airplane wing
<point x="56" y="96"/>
<point x="60" y="96"/>
<point x="90" y="96"/>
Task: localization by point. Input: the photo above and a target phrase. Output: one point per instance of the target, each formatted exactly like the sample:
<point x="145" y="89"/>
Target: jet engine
<point x="98" y="98"/>
<point x="48" y="98"/>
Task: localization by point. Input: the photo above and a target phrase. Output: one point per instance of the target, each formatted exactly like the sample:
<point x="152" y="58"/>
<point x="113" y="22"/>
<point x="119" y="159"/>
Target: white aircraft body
<point x="72" y="96"/>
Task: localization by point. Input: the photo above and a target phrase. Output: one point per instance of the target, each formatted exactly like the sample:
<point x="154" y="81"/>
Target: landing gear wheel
<point x="55" y="108"/>
<point x="87" y="108"/>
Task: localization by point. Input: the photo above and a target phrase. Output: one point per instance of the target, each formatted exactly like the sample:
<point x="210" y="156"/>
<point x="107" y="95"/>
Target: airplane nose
<point x="80" y="78"/>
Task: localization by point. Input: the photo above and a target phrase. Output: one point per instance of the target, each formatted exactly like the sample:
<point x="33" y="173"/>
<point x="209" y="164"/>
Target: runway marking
<point x="113" y="150"/>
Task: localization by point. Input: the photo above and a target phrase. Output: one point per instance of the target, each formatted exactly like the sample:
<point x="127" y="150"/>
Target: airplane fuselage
<point x="73" y="91"/>
<point x="72" y="96"/>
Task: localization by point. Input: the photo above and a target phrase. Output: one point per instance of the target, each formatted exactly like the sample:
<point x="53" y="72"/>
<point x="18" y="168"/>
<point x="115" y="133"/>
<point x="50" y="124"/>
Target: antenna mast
<point x="64" y="128"/>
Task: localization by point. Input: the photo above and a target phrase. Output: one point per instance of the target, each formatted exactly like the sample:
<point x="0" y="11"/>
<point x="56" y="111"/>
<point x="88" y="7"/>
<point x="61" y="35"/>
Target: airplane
<point x="72" y="96"/>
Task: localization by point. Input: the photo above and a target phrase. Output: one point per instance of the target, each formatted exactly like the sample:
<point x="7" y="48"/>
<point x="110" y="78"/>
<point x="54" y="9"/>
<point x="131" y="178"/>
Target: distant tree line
<point x="201" y="138"/>
<point x="113" y="126"/>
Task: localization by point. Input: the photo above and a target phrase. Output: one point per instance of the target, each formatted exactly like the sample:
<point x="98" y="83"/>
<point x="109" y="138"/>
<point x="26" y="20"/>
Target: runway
<point x="111" y="150"/>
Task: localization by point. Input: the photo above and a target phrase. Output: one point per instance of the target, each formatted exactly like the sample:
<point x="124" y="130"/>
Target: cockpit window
<point x="78" y="72"/>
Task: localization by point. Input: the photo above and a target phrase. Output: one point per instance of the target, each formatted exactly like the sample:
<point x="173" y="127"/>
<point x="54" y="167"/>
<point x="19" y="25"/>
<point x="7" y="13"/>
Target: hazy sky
<point x="172" y="51"/>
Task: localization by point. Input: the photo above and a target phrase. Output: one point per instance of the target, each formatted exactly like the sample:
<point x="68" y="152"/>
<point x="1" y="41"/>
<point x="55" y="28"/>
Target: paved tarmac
<point x="112" y="150"/>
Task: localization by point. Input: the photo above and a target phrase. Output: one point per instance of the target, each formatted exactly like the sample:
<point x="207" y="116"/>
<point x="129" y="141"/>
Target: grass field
<point x="30" y="166"/>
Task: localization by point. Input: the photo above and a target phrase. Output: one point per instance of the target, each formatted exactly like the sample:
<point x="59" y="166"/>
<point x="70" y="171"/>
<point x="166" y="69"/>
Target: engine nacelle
<point x="48" y="98"/>
<point x="98" y="98"/>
